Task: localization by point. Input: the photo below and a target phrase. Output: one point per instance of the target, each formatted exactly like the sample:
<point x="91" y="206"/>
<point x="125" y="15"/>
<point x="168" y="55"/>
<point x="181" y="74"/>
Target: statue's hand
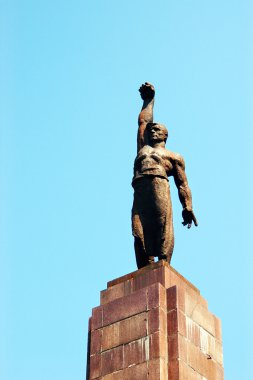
<point x="147" y="91"/>
<point x="189" y="217"/>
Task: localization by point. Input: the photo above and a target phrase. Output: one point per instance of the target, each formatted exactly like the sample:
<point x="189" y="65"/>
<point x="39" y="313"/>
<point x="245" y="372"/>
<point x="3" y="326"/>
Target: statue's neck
<point x="160" y="144"/>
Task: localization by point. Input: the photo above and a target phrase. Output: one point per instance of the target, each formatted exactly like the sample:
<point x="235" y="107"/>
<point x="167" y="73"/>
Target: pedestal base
<point x="153" y="324"/>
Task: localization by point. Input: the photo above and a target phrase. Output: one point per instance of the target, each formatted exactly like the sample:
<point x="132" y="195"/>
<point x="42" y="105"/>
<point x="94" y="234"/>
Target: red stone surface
<point x="112" y="360"/>
<point x="153" y="324"/>
<point x="136" y="352"/>
<point x="156" y="296"/>
<point x="124" y="307"/>
<point x="96" y="342"/>
<point x="157" y="320"/>
<point x="97" y="318"/>
<point x="138" y="372"/>
<point x="125" y="331"/>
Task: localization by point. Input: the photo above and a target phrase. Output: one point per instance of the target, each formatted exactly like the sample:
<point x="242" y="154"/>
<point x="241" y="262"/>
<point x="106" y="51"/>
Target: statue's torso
<point x="154" y="162"/>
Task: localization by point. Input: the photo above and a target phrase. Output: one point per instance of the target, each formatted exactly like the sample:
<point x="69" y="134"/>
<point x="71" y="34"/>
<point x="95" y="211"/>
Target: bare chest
<point x="155" y="156"/>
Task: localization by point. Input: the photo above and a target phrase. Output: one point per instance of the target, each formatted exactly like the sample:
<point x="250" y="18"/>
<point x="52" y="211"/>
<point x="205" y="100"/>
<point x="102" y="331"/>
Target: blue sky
<point x="69" y="75"/>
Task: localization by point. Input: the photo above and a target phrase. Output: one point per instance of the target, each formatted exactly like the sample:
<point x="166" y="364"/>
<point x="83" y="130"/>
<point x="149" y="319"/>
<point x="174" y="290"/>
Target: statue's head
<point x="156" y="132"/>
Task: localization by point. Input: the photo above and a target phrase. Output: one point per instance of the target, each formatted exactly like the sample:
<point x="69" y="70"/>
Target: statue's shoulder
<point x="176" y="158"/>
<point x="145" y="148"/>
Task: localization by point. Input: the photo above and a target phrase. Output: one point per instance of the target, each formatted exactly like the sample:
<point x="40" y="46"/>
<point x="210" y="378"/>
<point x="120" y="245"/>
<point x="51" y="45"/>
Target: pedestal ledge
<point x="149" y="268"/>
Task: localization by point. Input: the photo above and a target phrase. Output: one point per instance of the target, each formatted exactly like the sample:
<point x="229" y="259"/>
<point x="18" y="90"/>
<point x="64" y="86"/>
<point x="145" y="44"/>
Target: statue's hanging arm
<point x="184" y="191"/>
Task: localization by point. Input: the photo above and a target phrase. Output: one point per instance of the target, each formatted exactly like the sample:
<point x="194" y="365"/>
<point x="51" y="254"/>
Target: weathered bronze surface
<point x="152" y="223"/>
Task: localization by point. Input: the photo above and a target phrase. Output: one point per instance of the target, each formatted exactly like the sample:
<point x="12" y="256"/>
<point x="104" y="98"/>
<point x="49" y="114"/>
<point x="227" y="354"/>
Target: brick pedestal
<point x="153" y="324"/>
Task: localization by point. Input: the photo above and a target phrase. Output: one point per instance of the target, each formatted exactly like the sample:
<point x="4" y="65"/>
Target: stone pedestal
<point x="153" y="324"/>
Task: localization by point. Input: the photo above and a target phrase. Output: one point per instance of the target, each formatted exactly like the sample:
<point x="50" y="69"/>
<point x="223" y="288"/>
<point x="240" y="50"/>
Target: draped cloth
<point x="152" y="224"/>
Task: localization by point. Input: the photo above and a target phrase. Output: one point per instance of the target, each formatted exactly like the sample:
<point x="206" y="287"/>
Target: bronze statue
<point x="152" y="223"/>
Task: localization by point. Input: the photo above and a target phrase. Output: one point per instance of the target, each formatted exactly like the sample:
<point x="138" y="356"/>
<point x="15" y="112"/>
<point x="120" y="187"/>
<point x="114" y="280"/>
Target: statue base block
<point x="153" y="324"/>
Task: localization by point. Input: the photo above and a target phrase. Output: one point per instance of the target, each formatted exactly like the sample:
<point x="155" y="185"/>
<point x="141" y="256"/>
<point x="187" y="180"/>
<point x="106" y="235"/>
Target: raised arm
<point x="184" y="192"/>
<point x="147" y="92"/>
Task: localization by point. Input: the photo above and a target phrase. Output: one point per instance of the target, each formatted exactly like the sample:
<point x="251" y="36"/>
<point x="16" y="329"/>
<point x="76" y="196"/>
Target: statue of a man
<point x="152" y="223"/>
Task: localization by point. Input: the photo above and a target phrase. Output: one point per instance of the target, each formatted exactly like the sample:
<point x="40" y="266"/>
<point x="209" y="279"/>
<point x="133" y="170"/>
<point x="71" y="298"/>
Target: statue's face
<point x="157" y="133"/>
